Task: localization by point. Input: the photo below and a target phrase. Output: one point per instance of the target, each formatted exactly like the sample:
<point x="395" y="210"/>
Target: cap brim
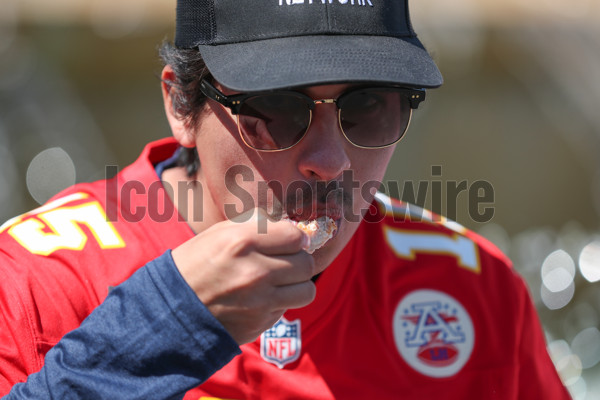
<point x="326" y="59"/>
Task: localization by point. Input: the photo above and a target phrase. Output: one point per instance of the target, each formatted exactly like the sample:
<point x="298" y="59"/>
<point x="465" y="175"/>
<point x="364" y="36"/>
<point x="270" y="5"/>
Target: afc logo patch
<point x="281" y="344"/>
<point x="433" y="333"/>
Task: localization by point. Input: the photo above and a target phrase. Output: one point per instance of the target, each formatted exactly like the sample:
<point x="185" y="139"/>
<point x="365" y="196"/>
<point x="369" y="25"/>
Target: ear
<point x="181" y="132"/>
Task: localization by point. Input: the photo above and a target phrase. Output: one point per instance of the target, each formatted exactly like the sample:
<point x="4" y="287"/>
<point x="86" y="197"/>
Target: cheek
<point x="231" y="172"/>
<point x="380" y="161"/>
<point x="369" y="170"/>
<point x="220" y="157"/>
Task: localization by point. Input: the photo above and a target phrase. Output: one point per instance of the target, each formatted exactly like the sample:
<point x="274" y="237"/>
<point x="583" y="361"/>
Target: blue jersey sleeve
<point x="151" y="338"/>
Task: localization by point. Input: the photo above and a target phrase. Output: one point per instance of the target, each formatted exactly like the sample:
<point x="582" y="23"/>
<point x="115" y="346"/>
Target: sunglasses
<point x="369" y="117"/>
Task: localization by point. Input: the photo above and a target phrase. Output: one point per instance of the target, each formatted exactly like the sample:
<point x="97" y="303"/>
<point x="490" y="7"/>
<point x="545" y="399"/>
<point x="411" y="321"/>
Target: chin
<point x="323" y="259"/>
<point x="326" y="254"/>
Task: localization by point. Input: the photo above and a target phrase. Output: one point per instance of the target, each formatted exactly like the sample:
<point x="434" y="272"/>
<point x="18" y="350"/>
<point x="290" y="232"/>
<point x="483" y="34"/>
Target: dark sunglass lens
<point x="273" y="121"/>
<point x="374" y="117"/>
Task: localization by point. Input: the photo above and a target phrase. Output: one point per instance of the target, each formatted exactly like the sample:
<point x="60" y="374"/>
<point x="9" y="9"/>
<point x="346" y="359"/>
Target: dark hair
<point x="188" y="101"/>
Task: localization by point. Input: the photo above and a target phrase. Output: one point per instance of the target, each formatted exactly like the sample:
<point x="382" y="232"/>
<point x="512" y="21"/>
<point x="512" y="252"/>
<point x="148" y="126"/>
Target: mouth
<point x="319" y="230"/>
<point x="329" y="216"/>
<point x="319" y="227"/>
<point x="310" y="213"/>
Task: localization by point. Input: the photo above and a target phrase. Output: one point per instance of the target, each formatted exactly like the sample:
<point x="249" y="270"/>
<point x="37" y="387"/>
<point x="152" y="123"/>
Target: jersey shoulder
<point x="408" y="228"/>
<point x="61" y="258"/>
<point x="107" y="214"/>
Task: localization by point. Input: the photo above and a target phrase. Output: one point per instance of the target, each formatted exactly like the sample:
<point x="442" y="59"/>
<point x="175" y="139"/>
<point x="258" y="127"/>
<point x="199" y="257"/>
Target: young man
<point x="283" y="114"/>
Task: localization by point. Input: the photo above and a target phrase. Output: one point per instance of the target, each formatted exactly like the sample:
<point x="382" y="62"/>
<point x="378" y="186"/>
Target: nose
<point x="324" y="149"/>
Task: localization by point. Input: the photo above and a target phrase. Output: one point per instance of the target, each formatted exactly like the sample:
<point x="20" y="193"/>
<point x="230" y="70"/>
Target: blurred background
<point x="520" y="110"/>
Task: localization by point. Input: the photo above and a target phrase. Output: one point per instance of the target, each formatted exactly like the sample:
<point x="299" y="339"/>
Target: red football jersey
<point x="59" y="260"/>
<point x="414" y="307"/>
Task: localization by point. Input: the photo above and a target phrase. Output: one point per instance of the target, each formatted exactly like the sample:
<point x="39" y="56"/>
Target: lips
<point x="311" y="213"/>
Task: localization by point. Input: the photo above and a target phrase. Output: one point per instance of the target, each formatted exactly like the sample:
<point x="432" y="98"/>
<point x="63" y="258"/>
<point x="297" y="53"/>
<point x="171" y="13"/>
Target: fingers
<point x="290" y="269"/>
<point x="271" y="237"/>
<point x="246" y="278"/>
<point x="283" y="238"/>
<point x="294" y="296"/>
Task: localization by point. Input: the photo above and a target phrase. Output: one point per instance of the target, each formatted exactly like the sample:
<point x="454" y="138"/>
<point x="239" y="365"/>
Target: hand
<point x="248" y="279"/>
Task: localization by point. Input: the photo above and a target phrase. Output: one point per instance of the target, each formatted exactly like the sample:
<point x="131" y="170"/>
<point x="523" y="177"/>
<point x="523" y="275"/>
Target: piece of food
<point x="319" y="231"/>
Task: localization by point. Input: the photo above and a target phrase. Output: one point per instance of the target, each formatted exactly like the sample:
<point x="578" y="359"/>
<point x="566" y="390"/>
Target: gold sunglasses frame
<point x="234" y="102"/>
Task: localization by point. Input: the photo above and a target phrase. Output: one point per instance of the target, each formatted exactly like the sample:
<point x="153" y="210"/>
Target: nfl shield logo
<point x="281" y="344"/>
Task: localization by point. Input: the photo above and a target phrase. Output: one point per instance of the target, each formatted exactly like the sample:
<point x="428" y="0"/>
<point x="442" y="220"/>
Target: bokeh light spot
<point x="557" y="300"/>
<point x="586" y="345"/>
<point x="558" y="271"/>
<point x="51" y="171"/>
<point x="589" y="261"/>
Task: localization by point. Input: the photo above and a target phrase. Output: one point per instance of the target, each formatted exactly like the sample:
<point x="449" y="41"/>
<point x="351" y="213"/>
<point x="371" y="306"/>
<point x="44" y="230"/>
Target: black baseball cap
<point x="252" y="45"/>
